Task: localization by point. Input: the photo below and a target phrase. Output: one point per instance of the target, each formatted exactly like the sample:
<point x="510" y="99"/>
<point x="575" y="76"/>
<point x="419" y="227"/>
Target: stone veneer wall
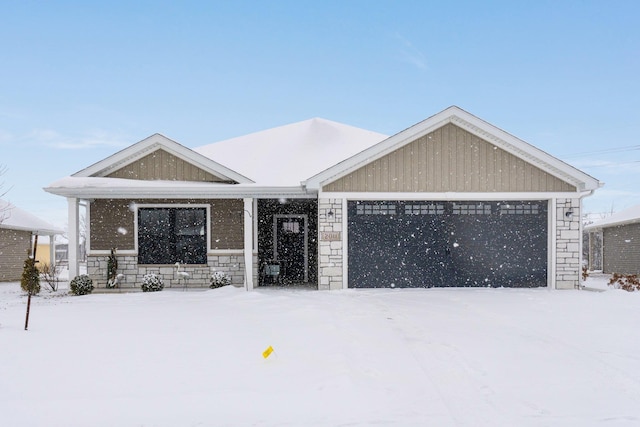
<point x="568" y="245"/>
<point x="330" y="251"/>
<point x="232" y="264"/>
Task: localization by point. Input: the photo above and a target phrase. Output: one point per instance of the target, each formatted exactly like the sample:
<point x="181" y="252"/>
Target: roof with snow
<point x="14" y="218"/>
<point x="627" y="216"/>
<point x="289" y="161"/>
<point x="287" y="155"/>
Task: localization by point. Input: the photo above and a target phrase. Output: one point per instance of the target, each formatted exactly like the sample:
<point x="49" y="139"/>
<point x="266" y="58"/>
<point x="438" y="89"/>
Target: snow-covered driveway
<point x="441" y="357"/>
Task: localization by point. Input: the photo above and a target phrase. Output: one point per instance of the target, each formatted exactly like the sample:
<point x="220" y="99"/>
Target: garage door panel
<point x="422" y="244"/>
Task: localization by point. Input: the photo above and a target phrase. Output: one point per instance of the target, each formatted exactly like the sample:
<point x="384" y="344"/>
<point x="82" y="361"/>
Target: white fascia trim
<point x="213" y="191"/>
<point x="474" y="125"/>
<point x="152" y="143"/>
<point x="39" y="231"/>
<point x="450" y="196"/>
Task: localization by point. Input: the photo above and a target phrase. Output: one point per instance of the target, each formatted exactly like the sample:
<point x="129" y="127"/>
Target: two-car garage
<point x="447" y="243"/>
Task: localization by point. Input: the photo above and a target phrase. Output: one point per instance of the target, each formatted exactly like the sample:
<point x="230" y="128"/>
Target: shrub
<point x="585" y="273"/>
<point x="219" y="279"/>
<point x="152" y="283"/>
<point x="628" y="282"/>
<point x="81" y="285"/>
<point x="51" y="275"/>
<point x="30" y="281"/>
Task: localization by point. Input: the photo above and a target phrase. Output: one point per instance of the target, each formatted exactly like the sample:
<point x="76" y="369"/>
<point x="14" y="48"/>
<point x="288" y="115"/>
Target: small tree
<point x="30" y="281"/>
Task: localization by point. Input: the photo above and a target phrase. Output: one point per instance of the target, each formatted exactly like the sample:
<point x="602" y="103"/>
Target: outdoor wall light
<point x="569" y="213"/>
<point x="330" y="213"/>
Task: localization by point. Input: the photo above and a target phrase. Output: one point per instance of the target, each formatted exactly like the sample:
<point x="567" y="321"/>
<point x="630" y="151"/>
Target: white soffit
<point x="148" y="146"/>
<point x="472" y="124"/>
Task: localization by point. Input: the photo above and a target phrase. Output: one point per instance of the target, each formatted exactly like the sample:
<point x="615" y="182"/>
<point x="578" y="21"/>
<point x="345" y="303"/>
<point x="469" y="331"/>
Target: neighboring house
<point x="17" y="229"/>
<point x="614" y="243"/>
<point x="450" y="201"/>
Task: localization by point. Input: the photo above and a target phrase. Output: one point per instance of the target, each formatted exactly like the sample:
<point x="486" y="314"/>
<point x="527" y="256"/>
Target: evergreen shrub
<point x="152" y="283"/>
<point x="30" y="280"/>
<point x="219" y="279"/>
<point x="81" y="285"/>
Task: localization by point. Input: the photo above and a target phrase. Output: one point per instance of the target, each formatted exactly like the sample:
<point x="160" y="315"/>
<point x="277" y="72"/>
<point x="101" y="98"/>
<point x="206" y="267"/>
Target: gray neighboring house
<point x="614" y="243"/>
<point x="449" y="201"/>
<point x="17" y="228"/>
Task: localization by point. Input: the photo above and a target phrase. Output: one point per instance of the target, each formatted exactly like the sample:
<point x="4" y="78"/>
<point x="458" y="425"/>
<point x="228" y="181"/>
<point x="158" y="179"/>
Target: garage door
<point x="425" y="244"/>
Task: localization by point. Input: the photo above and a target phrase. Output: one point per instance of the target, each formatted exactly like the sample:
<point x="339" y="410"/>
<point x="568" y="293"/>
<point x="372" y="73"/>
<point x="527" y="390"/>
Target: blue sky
<point x="82" y="80"/>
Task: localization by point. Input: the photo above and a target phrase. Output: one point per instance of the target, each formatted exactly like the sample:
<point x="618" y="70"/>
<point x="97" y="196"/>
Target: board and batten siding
<point x="621" y="249"/>
<point x="164" y="166"/>
<point x="449" y="159"/>
<point x="15" y="246"/>
<point x="112" y="222"/>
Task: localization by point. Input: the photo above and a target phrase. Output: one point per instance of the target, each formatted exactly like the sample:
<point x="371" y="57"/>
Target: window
<point x="519" y="209"/>
<point x="424" y="209"/>
<point x="170" y="235"/>
<point x="376" y="209"/>
<point x="291" y="227"/>
<point x="471" y="209"/>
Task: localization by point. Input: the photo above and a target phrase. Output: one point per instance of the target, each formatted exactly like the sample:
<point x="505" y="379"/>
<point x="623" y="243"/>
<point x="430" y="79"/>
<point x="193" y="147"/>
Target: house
<point x="17" y="229"/>
<point x="614" y="243"/>
<point x="450" y="201"/>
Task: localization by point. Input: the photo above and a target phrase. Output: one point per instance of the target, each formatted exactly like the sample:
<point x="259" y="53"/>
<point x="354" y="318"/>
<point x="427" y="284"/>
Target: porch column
<point x="74" y="227"/>
<point x="248" y="244"/>
<point x="52" y="250"/>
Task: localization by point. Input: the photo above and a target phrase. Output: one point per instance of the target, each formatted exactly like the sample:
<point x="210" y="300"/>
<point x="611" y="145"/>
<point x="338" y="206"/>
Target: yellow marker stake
<point x="267" y="352"/>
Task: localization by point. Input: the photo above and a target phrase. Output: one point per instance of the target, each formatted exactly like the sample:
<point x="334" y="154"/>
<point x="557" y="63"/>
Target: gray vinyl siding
<point x="621" y="249"/>
<point x="165" y="166"/>
<point x="449" y="159"/>
<point x="109" y="217"/>
<point x="14" y="249"/>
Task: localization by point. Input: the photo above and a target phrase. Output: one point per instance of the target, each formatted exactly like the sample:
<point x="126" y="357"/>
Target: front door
<point x="290" y="246"/>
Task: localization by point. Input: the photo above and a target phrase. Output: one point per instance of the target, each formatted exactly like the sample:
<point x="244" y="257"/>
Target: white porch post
<point x="248" y="244"/>
<point x="74" y="228"/>
<point x="52" y="250"/>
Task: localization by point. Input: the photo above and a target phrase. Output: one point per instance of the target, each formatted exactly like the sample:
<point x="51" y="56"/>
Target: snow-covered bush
<point x="219" y="279"/>
<point x="628" y="282"/>
<point x="152" y="283"/>
<point x="81" y="285"/>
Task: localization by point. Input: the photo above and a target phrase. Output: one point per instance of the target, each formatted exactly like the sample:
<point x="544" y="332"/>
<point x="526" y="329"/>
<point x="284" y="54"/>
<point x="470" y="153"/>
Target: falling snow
<point x="408" y="357"/>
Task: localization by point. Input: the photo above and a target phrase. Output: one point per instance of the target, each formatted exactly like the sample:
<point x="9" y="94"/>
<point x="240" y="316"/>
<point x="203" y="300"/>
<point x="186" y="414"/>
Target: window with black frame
<point x="170" y="235"/>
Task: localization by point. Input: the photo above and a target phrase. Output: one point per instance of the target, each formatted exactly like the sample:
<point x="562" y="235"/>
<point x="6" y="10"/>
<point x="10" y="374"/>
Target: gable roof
<point x="151" y="144"/>
<point x="14" y="218"/>
<point x="628" y="216"/>
<point x="286" y="155"/>
<point x="472" y="124"/>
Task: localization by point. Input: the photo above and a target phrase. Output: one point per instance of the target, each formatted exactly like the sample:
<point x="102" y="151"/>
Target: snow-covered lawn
<point x="405" y="357"/>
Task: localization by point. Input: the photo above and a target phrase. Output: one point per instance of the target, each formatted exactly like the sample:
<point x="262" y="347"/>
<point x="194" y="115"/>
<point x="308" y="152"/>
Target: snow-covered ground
<point x="404" y="357"/>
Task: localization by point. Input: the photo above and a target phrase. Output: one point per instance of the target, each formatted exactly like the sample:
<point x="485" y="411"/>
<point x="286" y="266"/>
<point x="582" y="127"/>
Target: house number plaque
<point x="331" y="236"/>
